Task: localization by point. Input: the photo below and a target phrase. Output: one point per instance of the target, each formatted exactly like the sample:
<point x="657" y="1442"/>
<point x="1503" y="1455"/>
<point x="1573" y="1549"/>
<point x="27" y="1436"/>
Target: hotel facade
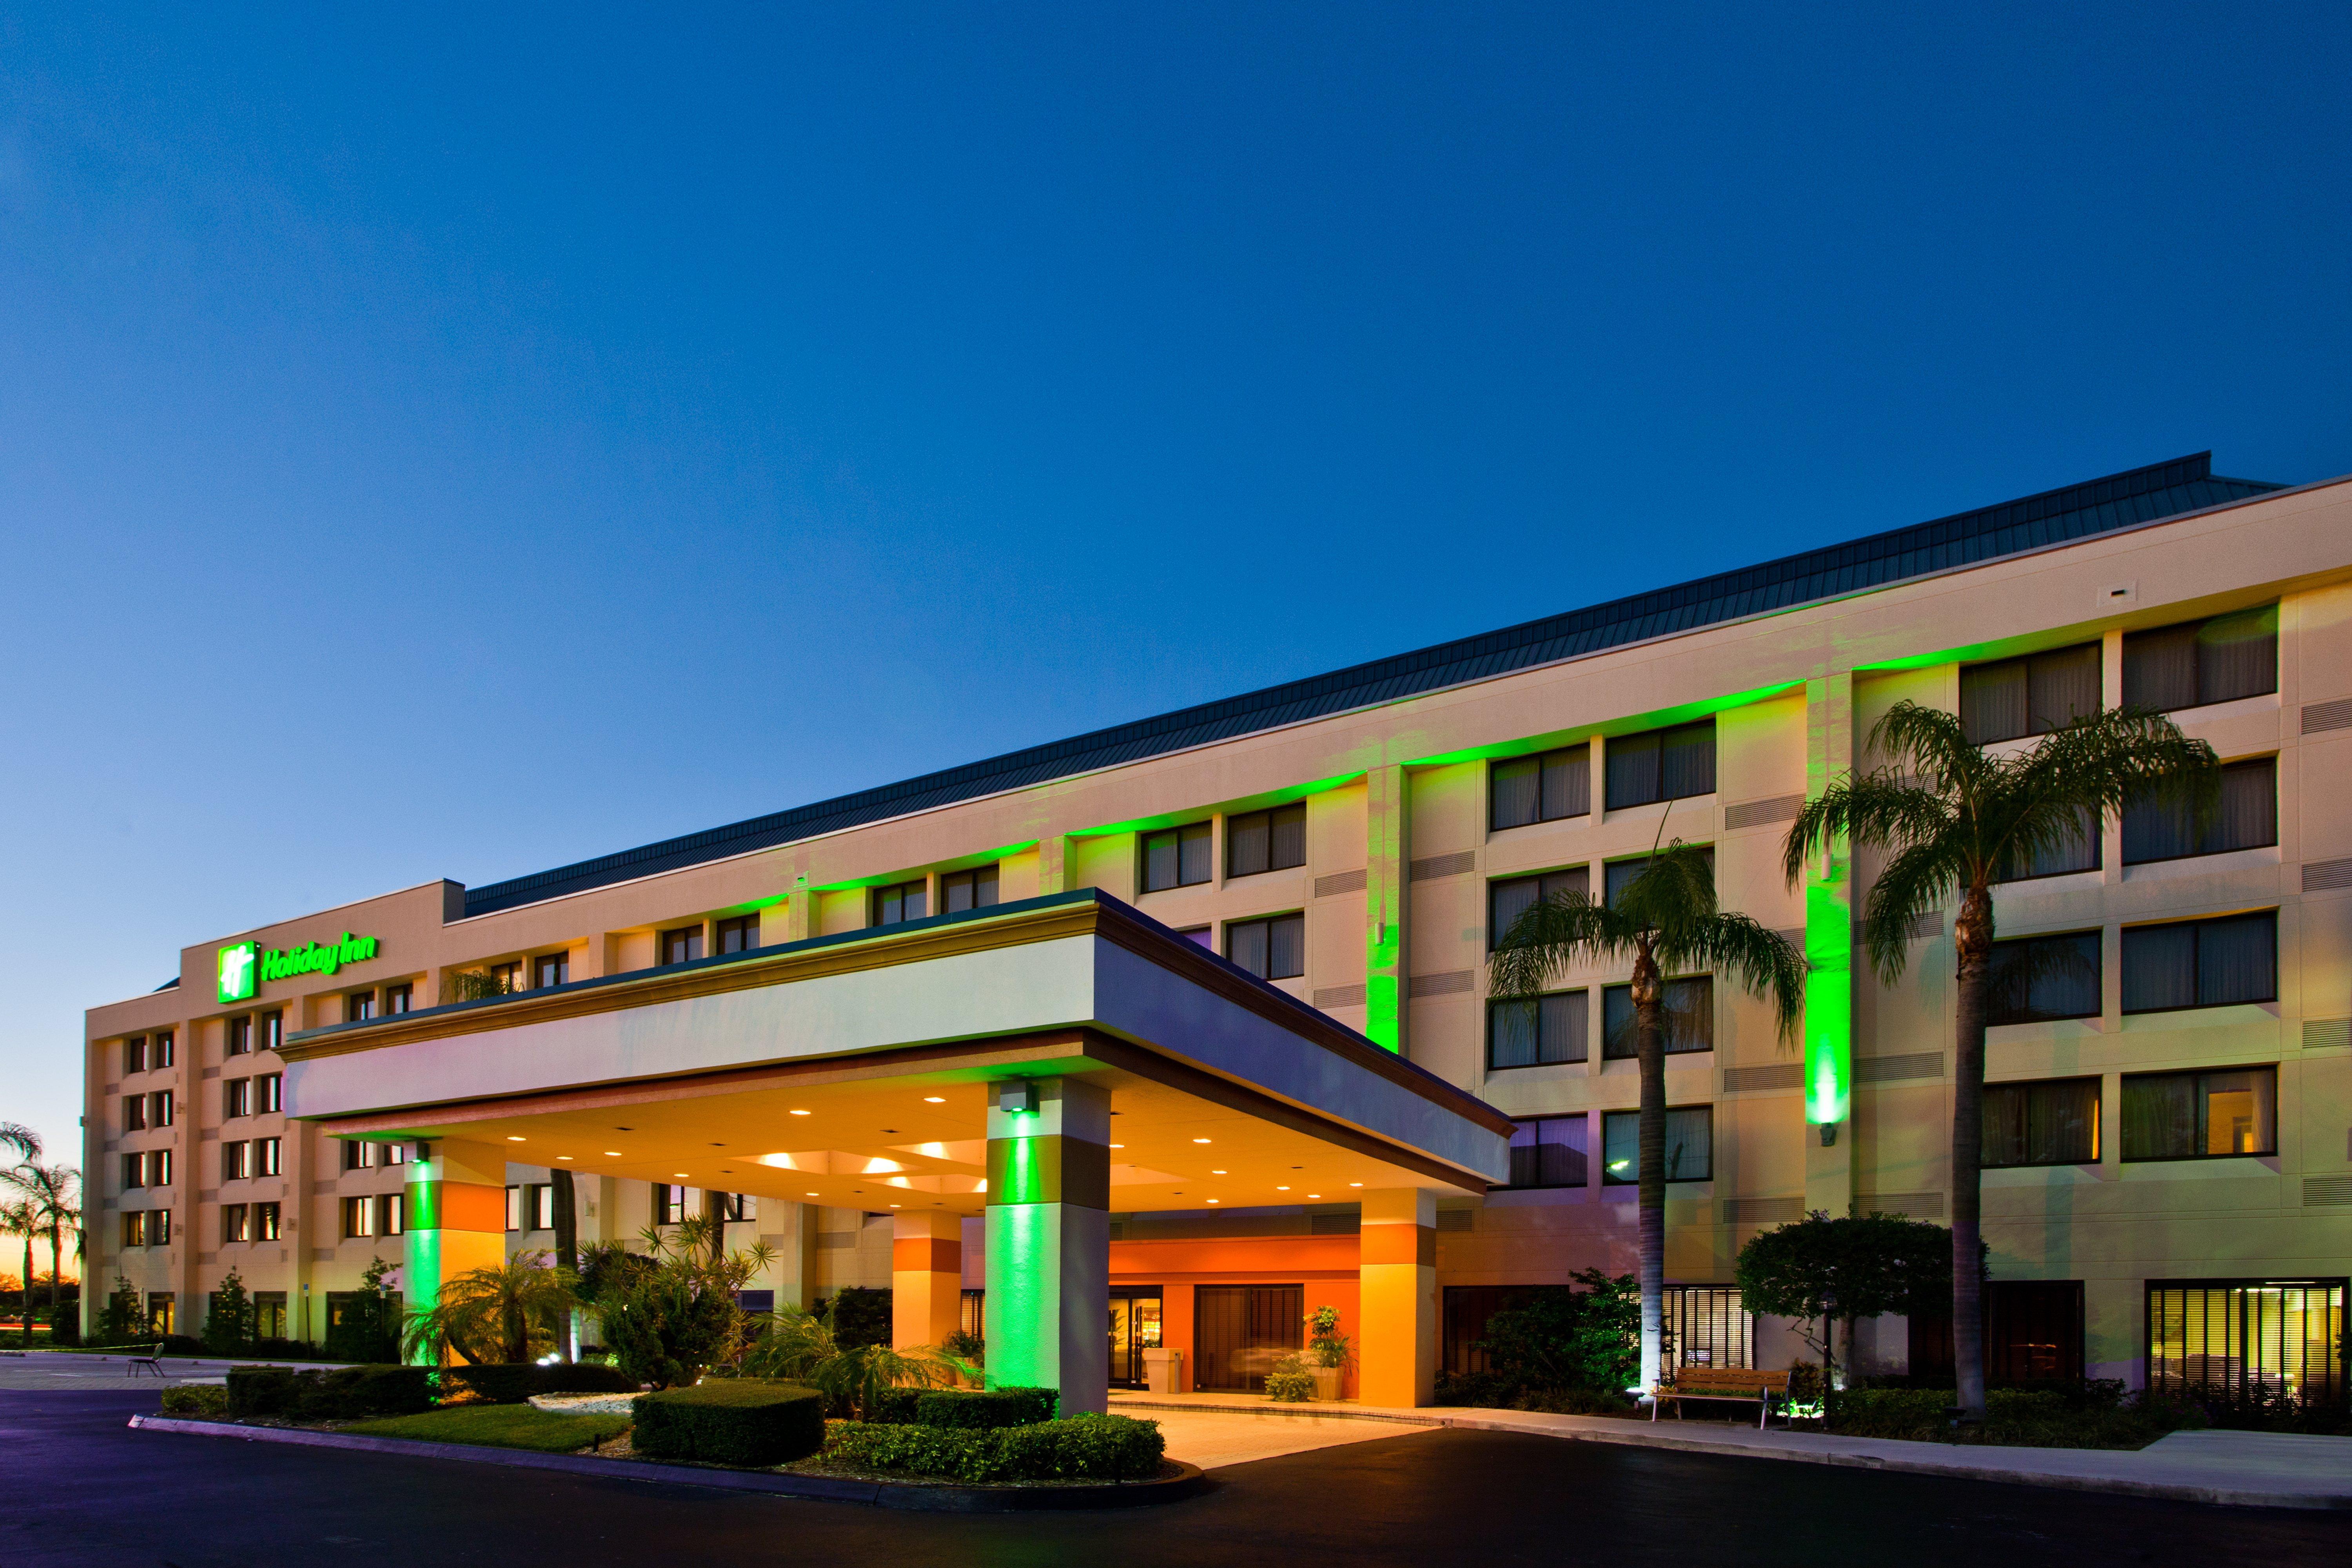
<point x="1181" y="1026"/>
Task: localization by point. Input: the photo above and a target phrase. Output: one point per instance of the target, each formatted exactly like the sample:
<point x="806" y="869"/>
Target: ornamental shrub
<point x="333" y="1394"/>
<point x="1289" y="1387"/>
<point x="984" y="1407"/>
<point x="514" y="1383"/>
<point x="1078" y="1448"/>
<point x="196" y="1399"/>
<point x="894" y="1408"/>
<point x="742" y="1421"/>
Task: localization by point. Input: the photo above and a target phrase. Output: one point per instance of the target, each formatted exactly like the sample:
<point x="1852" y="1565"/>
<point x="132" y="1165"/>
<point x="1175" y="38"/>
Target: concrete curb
<point x="912" y="1496"/>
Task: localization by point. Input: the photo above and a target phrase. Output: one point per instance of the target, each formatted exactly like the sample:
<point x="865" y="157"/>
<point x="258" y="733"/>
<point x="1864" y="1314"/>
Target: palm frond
<point x="1934" y="745"/>
<point x="1874" y="808"/>
<point x="1918" y="880"/>
<point x="1758" y="961"/>
<point x="2103" y="763"/>
<point x="1552" y="936"/>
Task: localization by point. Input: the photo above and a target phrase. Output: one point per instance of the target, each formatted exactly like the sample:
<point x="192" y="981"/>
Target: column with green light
<point x="454" y="1217"/>
<point x="1386" y="809"/>
<point x="1048" y="1239"/>
<point x="1829" y="950"/>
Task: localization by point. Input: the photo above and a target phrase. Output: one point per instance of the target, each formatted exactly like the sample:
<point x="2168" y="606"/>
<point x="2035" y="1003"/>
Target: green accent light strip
<point x="1829" y="1002"/>
<point x="1630" y="726"/>
<point x="1024" y="1297"/>
<point x="963" y="863"/>
<point x="1251" y="803"/>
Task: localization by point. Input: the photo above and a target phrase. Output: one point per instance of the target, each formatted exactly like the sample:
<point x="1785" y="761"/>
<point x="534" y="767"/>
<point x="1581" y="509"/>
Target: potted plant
<point x="1290" y="1381"/>
<point x="1326" y="1351"/>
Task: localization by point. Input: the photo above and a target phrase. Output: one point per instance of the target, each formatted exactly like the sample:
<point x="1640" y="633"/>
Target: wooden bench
<point x="1739" y="1384"/>
<point x="153" y="1361"/>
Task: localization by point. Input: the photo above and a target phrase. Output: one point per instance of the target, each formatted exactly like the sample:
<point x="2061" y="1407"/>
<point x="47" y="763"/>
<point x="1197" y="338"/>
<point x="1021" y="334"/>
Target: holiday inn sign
<point x="244" y="966"/>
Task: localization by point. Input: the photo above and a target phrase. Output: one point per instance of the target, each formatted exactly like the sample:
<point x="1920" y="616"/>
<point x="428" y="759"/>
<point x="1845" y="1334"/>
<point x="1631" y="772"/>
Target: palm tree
<point x="51" y="1190"/>
<point x="18" y="1216"/>
<point x="488" y="1315"/>
<point x="1955" y="819"/>
<point x="22" y="1138"/>
<point x="799" y="1345"/>
<point x="1666" y="922"/>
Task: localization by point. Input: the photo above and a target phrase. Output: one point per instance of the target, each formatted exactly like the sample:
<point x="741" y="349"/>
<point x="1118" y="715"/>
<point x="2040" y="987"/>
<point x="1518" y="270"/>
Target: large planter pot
<point x="1327" y="1383"/>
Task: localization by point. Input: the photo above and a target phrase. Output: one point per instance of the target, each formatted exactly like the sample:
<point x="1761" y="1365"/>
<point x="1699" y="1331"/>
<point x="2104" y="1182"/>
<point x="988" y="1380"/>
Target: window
<point x="2030" y="695"/>
<point x="162" y="1311"/>
<point x="159" y="1108"/>
<point x="507" y="977"/>
<point x="359" y="1215"/>
<point x="398" y="999"/>
<point x="393" y="1153"/>
<point x="158" y="1051"/>
<point x="669" y="1204"/>
<point x="134" y="1113"/>
<point x="2037" y="979"/>
<point x="265" y="1220"/>
<point x="236" y="1161"/>
<point x="358" y="1006"/>
<point x="269" y="1157"/>
<point x="2246" y="818"/>
<point x="1265" y="841"/>
<point x="1201" y="936"/>
<point x="134" y="1054"/>
<point x="273" y="1030"/>
<point x="1664" y="764"/>
<point x="1708" y="1326"/>
<point x="1619" y="875"/>
<point x="2199" y="662"/>
<point x="2051" y="1123"/>
<point x="135" y="1171"/>
<point x="159" y="1167"/>
<point x="237" y="1097"/>
<point x="135" y="1227"/>
<point x="2201" y="963"/>
<point x="2200" y="1115"/>
<point x="1539" y="1032"/>
<point x="268" y="1093"/>
<point x="268" y="1310"/>
<point x="1549" y="1152"/>
<point x="901" y="902"/>
<point x="2076" y="851"/>
<point x="538" y="1203"/>
<point x="1690" y="1146"/>
<point x="1508" y="901"/>
<point x="1540" y="789"/>
<point x="973" y="889"/>
<point x="738" y="934"/>
<point x="738" y="1206"/>
<point x="391" y="1213"/>
<point x="240" y="1037"/>
<point x="514" y="1209"/>
<point x="1271" y="949"/>
<point x="237" y="1223"/>
<point x="1689" y="1020"/>
<point x="362" y="1155"/>
<point x="1179" y="857"/>
<point x="2248" y="1336"/>
<point x="550" y="969"/>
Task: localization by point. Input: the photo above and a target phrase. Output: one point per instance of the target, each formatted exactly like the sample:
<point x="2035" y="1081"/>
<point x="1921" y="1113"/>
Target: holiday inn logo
<point x="243" y="967"/>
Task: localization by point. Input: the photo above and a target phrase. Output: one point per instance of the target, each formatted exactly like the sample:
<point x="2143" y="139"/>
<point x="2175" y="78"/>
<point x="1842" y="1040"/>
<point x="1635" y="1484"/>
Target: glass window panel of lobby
<point x="737" y="933"/>
<point x="1689" y="1006"/>
<point x="683" y="945"/>
<point x="1508" y="900"/>
<point x="2201" y="662"/>
<point x="2015" y="698"/>
<point x="1541" y="1031"/>
<point x="2200" y="1115"/>
<point x="2054" y="1122"/>
<point x="1690" y="1146"/>
<point x="1663" y="765"/>
<point x="2041" y="979"/>
<point x="2201" y="963"/>
<point x="972" y="890"/>
<point x="1271" y="949"/>
<point x="901" y="902"/>
<point x="1547" y="788"/>
<point x="1179" y="857"/>
<point x="1549" y="1152"/>
<point x="2245" y="818"/>
<point x="1265" y="841"/>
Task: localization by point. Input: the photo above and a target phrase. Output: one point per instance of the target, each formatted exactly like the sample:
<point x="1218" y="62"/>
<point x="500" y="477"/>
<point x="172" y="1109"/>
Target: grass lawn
<point x="498" y="1426"/>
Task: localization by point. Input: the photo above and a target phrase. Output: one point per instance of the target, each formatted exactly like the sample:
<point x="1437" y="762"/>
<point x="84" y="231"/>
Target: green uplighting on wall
<point x="1829" y="1002"/>
<point x="962" y="863"/>
<point x="1252" y="802"/>
<point x="1024" y="1295"/>
<point x="1633" y="725"/>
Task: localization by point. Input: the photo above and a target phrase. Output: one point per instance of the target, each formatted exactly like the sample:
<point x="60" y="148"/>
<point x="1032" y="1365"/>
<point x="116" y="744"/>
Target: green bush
<point x="515" y="1383"/>
<point x="1080" y="1448"/>
<point x="981" y="1408"/>
<point x="1289" y="1387"/>
<point x="859" y="1317"/>
<point x="894" y="1406"/>
<point x="196" y="1399"/>
<point x="334" y="1393"/>
<point x="2095" y="1414"/>
<point x="739" y="1422"/>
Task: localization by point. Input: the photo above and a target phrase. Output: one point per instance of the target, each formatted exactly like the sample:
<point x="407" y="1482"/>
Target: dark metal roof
<point x="1970" y="538"/>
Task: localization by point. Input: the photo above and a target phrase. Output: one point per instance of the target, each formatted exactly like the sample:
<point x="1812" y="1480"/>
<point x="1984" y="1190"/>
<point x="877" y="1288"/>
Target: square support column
<point x="1048" y="1244"/>
<point x="1397" y="1266"/>
<point x="1830" y="1145"/>
<point x="457" y="1217"/>
<point x="926" y="1277"/>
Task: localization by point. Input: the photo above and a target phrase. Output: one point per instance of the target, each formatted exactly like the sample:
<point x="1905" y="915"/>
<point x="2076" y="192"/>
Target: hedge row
<point x="1082" y="1447"/>
<point x="964" y="1408"/>
<point x="736" y="1422"/>
<point x="334" y="1393"/>
<point x="511" y="1384"/>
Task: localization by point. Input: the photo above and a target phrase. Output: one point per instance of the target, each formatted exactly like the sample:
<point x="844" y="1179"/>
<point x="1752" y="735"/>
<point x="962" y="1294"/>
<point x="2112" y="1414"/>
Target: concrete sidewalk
<point x="2250" y="1470"/>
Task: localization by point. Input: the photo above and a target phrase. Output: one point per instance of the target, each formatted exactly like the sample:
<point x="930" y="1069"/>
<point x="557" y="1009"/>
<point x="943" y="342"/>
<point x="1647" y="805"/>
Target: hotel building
<point x="1182" y="1027"/>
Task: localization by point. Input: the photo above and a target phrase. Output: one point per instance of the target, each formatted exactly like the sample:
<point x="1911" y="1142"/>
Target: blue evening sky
<point x="459" y="441"/>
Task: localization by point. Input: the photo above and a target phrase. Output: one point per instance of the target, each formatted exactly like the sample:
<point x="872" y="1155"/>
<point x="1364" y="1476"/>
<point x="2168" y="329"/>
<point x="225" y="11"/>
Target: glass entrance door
<point x="1134" y="1329"/>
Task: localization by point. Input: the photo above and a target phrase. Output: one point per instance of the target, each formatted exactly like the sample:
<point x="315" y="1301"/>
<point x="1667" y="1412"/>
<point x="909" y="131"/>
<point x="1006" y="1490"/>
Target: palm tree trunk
<point x="567" y="1247"/>
<point x="27" y="1313"/>
<point x="1650" y="1200"/>
<point x="57" y="1264"/>
<point x="1972" y="937"/>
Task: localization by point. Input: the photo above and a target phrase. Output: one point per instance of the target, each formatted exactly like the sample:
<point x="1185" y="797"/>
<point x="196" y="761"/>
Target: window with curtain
<point x="2078" y="851"/>
<point x="1546" y="788"/>
<point x="2201" y="963"/>
<point x="1541" y="1031"/>
<point x="2200" y="1115"/>
<point x="2240" y="1336"/>
<point x="900" y="902"/>
<point x="1549" y="1152"/>
<point x="2246" y="818"/>
<point x="1506" y="900"/>
<point x="973" y="889"/>
<point x="1271" y="949"/>
<point x="1663" y="765"/>
<point x="1177" y="858"/>
<point x="1265" y="841"/>
<point x="1690" y="1146"/>
<point x="2055" y="1123"/>
<point x="2040" y="979"/>
<point x="2199" y="662"/>
<point x="2033" y="695"/>
<point x="1617" y="875"/>
<point x="1690" y="1018"/>
<point x="737" y="933"/>
<point x="550" y="969"/>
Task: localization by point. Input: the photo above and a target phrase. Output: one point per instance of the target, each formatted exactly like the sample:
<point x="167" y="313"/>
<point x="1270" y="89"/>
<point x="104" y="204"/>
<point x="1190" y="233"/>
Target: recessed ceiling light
<point x="1216" y="1172"/>
<point x="1199" y="1139"/>
<point x="564" y="1156"/>
<point x="1314" y="1195"/>
<point x="718" y="1145"/>
<point x="624" y="1129"/>
<point x="889" y="1129"/>
<point x="800" y="1113"/>
<point x="1282" y="1189"/>
<point x="935" y="1099"/>
<point x="514" y="1138"/>
<point x="812" y="1195"/>
<point x="1118" y="1145"/>
<point x="897" y="1206"/>
<point x="681" y="1174"/>
<point x="611" y="1154"/>
<point x="1213" y="1200"/>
